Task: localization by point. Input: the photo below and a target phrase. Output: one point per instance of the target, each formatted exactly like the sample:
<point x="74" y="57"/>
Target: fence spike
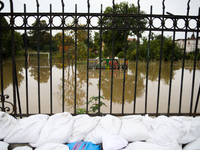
<point x="188" y="7"/>
<point x="114" y="6"/>
<point x="11" y="6"/>
<point x="163" y="3"/>
<point x="88" y="2"/>
<point x="38" y="5"/>
<point x="138" y="6"/>
<point x="62" y="3"/>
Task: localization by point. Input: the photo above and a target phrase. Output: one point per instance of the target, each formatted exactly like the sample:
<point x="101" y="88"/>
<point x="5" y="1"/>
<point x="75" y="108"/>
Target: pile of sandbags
<point x="141" y="132"/>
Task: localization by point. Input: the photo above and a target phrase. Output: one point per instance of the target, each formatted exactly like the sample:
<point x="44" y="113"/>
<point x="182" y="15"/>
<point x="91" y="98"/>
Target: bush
<point x="120" y="54"/>
<point x="132" y="55"/>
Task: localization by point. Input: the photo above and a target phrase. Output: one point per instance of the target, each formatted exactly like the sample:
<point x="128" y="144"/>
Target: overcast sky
<point x="178" y="7"/>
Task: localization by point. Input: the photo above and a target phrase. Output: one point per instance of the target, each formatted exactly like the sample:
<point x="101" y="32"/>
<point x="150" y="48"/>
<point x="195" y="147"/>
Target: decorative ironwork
<point x="58" y="21"/>
<point x="5" y="108"/>
<point x="2" y="5"/>
<point x="51" y="18"/>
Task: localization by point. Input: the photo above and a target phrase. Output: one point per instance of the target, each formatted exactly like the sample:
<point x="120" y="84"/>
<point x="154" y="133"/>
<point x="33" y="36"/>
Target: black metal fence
<point x="125" y="27"/>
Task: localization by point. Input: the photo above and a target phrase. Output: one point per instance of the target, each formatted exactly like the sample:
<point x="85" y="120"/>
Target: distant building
<point x="190" y="43"/>
<point x="131" y="39"/>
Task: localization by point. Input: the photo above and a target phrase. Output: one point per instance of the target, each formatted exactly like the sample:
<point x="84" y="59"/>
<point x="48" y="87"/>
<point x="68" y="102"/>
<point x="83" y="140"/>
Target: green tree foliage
<point x="82" y="44"/>
<point x="7" y="41"/>
<point x="81" y="51"/>
<point x="44" y="35"/>
<point x="68" y="40"/>
<point x="96" y="41"/>
<point x="25" y="37"/>
<point x="4" y="23"/>
<point x="7" y="46"/>
<point x="120" y="54"/>
<point x="154" y="50"/>
<point x="119" y="35"/>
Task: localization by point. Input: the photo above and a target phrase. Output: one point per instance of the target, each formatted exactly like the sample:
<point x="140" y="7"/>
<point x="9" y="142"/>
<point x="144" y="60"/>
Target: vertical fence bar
<point x="26" y="59"/>
<point x="194" y="68"/>
<point x="38" y="51"/>
<point x="160" y="64"/>
<point x="184" y="52"/>
<point x="76" y="23"/>
<point x="1" y="58"/>
<point x="113" y="47"/>
<point x="17" y="90"/>
<point x="101" y="21"/>
<point x="172" y="61"/>
<point x="147" y="70"/>
<point x="63" y="53"/>
<point x="136" y="70"/>
<point x="124" y="80"/>
<point x="197" y="101"/>
<point x="88" y="41"/>
<point x="50" y="22"/>
<point x="13" y="58"/>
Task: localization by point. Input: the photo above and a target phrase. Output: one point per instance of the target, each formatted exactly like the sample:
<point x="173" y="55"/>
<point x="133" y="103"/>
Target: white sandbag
<point x="22" y="148"/>
<point x="57" y="129"/>
<point x="151" y="146"/>
<point x="195" y="145"/>
<point x="3" y="145"/>
<point x="7" y="123"/>
<point x="164" y="130"/>
<point x="192" y="126"/>
<point x="133" y="129"/>
<point x="113" y="142"/>
<point x="53" y="146"/>
<point x="107" y="125"/>
<point x="83" y="124"/>
<point x="27" y="130"/>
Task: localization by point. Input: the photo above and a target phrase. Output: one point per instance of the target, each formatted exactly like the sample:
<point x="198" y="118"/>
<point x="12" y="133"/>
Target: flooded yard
<point x="69" y="74"/>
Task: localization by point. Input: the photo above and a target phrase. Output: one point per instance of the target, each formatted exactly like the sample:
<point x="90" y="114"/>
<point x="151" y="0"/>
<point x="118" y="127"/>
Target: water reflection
<point x="44" y="70"/>
<point x="69" y="86"/>
<point x="7" y="73"/>
<point x="69" y="78"/>
<point x="130" y="80"/>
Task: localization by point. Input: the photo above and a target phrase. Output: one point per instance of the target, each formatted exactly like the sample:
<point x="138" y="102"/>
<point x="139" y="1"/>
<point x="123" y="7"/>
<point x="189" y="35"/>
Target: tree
<point x="82" y="44"/>
<point x="119" y="34"/>
<point x="43" y="35"/>
<point x="7" y="41"/>
<point x="25" y="37"/>
<point x="68" y="39"/>
<point x="154" y="49"/>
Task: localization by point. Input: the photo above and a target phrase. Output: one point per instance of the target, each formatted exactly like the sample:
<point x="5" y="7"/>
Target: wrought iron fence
<point x="125" y="27"/>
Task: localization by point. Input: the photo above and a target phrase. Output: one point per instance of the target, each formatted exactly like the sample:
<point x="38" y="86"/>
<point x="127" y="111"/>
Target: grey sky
<point x="178" y="7"/>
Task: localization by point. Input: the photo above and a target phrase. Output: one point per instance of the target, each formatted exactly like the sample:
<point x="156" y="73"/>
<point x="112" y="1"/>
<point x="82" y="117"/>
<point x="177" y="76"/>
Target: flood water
<point x="105" y="86"/>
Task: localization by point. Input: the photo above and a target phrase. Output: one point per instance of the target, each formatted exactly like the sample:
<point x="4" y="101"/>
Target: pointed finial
<point x="188" y="7"/>
<point x="138" y="6"/>
<point x="163" y="3"/>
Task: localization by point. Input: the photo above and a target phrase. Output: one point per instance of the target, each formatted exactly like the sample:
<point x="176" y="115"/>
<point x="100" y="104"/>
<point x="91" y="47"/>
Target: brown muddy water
<point x="105" y="86"/>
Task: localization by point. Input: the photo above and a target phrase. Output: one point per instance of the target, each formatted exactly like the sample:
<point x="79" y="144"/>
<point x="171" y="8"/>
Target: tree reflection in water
<point x="94" y="83"/>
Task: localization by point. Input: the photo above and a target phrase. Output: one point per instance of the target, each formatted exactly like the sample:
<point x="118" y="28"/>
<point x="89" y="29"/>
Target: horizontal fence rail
<point x="76" y="17"/>
<point x="97" y="21"/>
